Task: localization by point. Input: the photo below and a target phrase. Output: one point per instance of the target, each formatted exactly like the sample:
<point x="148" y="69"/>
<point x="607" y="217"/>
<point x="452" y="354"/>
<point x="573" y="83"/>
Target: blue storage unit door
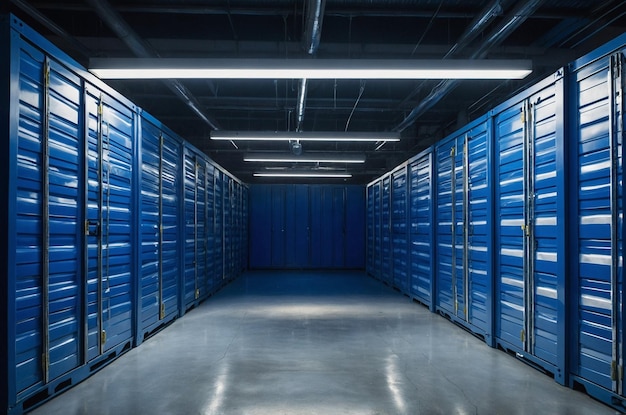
<point x="597" y="347"/>
<point x="463" y="207"/>
<point x="370" y="229"/>
<point x="530" y="238"/>
<point x="48" y="244"/>
<point x="421" y="229"/>
<point x="110" y="132"/>
<point x="158" y="286"/>
<point x="450" y="276"/>
<point x="354" y="213"/>
<point x="399" y="236"/>
<point x="245" y="228"/>
<point x="209" y="276"/>
<point x="228" y="228"/>
<point x="385" y="264"/>
<point x="378" y="236"/>
<point x="218" y="224"/>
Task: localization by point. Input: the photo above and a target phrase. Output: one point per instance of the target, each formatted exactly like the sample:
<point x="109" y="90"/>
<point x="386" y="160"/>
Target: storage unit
<point x="399" y="231"/>
<point x="597" y="228"/>
<point x="161" y="176"/>
<point x="306" y="226"/>
<point x="97" y="196"/>
<point x="421" y="221"/>
<point x="385" y="230"/>
<point x="463" y="233"/>
<point x="530" y="230"/>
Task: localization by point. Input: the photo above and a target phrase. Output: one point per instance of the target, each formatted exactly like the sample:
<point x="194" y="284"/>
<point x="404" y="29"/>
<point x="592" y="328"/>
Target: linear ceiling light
<point x="306" y="175"/>
<point x="176" y="68"/>
<point x="303" y="136"/>
<point x="304" y="158"/>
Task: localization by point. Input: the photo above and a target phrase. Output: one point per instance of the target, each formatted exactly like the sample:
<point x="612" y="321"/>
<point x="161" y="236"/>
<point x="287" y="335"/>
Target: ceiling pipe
<point x="143" y="50"/>
<point x="501" y="32"/>
<point x="480" y="23"/>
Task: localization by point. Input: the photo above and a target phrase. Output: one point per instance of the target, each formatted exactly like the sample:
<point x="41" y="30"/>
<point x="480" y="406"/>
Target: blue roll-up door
<point x="378" y="237"/>
<point x="260" y="226"/>
<point x="190" y="290"/>
<point x="370" y="229"/>
<point x="109" y="214"/>
<point x="597" y="218"/>
<point x="530" y="230"/>
<point x="386" y="264"/>
<point x="449" y="250"/>
<point x="210" y="229"/>
<point x="421" y="228"/>
<point x="218" y="222"/>
<point x="399" y="236"/>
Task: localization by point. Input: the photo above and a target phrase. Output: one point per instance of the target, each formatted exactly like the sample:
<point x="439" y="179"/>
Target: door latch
<point x="92" y="228"/>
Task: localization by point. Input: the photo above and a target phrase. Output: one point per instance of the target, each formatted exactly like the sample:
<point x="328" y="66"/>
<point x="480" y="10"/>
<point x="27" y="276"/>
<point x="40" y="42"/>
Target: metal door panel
<point x="210" y="228"/>
<point x="386" y="271"/>
<point x="278" y="226"/>
<point x="338" y="212"/>
<point x="446" y="221"/>
<point x="191" y="250"/>
<point x="399" y="230"/>
<point x="599" y="273"/>
<point x="171" y="182"/>
<point x="301" y="227"/>
<point x="355" y="229"/>
<point x="219" y="227"/>
<point x="110" y="135"/>
<point x="290" y="234"/>
<point x="260" y="226"/>
<point x="378" y="238"/>
<point x="202" y="250"/>
<point x="510" y="240"/>
<point x="150" y="223"/>
<point x="370" y="229"/>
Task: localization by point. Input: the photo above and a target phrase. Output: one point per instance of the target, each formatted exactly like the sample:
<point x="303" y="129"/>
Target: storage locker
<point x="399" y="233"/>
<point x="385" y="225"/>
<point x="245" y="228"/>
<point x="597" y="209"/>
<point x="370" y="224"/>
<point x="420" y="228"/>
<point x="218" y="226"/>
<point x="159" y="157"/>
<point x="211" y="285"/>
<point x="530" y="228"/>
<point x="464" y="205"/>
<point x="196" y="233"/>
<point x="378" y="223"/>
<point x="69" y="242"/>
<point x="228" y="227"/>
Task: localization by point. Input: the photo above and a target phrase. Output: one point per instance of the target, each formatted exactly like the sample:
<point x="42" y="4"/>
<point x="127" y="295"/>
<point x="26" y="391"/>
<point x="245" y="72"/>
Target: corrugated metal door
<point x="191" y="290"/>
<point x="338" y="238"/>
<point x="449" y="212"/>
<point x="399" y="238"/>
<point x="370" y="229"/>
<point x="278" y="226"/>
<point x="210" y="228"/>
<point x="421" y="214"/>
<point x="48" y="275"/>
<point x="218" y="222"/>
<point x="529" y="236"/>
<point x="597" y="349"/>
<point x="386" y="272"/>
<point x="228" y="227"/>
<point x="378" y="237"/>
<point x="477" y="235"/>
<point x="109" y="221"/>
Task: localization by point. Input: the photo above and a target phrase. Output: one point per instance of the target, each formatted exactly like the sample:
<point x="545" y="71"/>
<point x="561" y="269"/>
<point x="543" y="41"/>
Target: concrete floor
<point x="316" y="343"/>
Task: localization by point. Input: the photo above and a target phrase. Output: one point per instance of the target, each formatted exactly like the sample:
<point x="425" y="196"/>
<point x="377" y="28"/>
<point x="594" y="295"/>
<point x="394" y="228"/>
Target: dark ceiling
<point x="551" y="33"/>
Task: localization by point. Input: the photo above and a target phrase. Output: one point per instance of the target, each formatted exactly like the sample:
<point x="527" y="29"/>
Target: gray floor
<point x="325" y="343"/>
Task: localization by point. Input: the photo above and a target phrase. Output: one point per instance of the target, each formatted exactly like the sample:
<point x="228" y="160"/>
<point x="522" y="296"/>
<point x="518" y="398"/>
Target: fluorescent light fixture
<point x="304" y="158"/>
<point x="303" y="136"/>
<point x="306" y="175"/>
<point x="177" y="68"/>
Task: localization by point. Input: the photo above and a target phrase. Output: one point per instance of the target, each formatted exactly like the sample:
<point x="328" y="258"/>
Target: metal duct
<point x="312" y="36"/>
<point x="143" y="50"/>
<point x="501" y="32"/>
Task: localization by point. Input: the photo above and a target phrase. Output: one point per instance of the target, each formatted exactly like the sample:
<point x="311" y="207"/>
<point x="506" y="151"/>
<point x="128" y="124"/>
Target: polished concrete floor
<point x="316" y="343"/>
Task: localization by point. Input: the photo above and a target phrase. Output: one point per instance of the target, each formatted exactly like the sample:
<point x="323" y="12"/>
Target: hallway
<point x="316" y="343"/>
